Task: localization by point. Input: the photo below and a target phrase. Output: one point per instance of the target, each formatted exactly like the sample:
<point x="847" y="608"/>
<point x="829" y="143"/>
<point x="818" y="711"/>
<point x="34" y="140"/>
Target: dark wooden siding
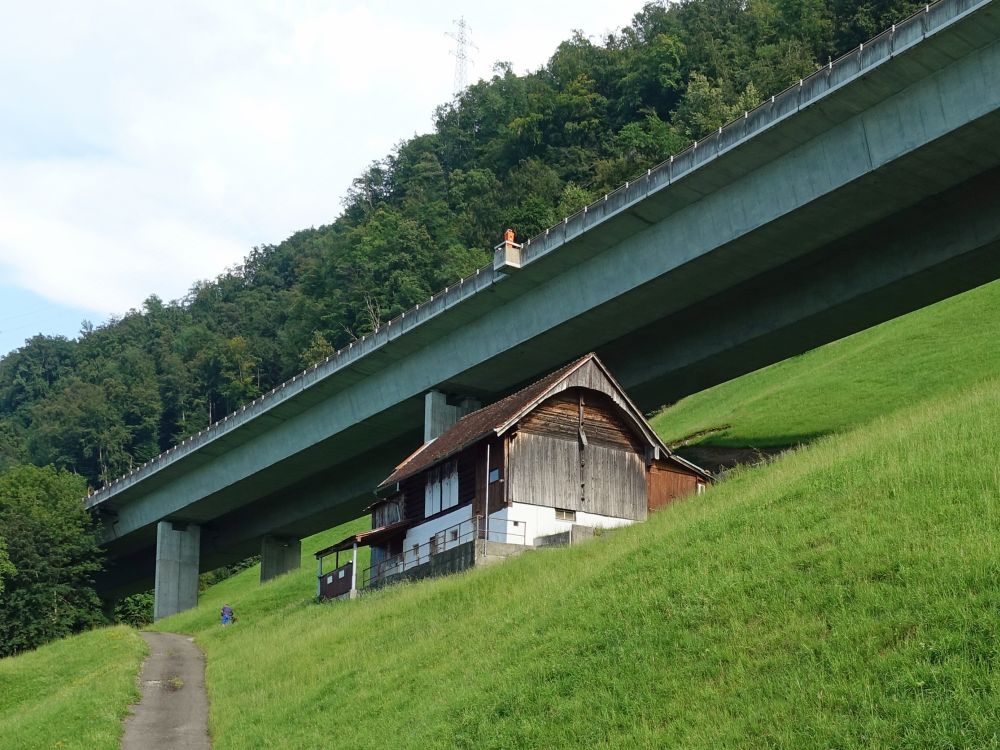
<point x="467" y="476"/>
<point x="602" y="422"/>
<point x="387" y="512"/>
<point x="498" y="462"/>
<point x="666" y="484"/>
<point x="558" y="417"/>
<point x="336" y="582"/>
<point x="413" y="497"/>
<point x="413" y="488"/>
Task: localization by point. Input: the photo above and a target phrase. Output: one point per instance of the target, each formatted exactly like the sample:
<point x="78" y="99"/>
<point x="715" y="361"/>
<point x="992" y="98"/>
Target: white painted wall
<point x="521" y="523"/>
<point x="518" y="524"/>
<point x="422" y="533"/>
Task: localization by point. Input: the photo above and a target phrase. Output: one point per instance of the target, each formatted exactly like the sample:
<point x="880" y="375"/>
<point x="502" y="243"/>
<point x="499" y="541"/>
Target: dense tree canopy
<point x="515" y="150"/>
<point x="47" y="589"/>
<point x="7" y="568"/>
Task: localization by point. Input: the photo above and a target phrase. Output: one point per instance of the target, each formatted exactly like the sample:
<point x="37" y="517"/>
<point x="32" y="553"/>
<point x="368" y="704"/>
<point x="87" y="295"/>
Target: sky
<point x="145" y="146"/>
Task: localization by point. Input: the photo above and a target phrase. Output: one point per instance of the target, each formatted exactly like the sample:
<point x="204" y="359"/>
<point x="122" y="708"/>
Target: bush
<point x="135" y="610"/>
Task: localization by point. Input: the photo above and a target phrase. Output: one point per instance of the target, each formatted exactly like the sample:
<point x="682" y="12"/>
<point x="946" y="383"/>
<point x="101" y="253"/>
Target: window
<point x="441" y="490"/>
<point x="565" y="515"/>
<point x="494" y="475"/>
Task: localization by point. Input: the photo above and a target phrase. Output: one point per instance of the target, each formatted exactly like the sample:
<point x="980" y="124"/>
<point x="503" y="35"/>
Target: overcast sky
<point x="144" y="146"/>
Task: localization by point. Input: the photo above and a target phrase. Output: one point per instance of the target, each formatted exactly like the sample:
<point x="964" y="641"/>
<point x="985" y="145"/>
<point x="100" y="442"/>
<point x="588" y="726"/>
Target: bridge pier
<point x="177" y="559"/>
<point x="439" y="415"/>
<point x="279" y="555"/>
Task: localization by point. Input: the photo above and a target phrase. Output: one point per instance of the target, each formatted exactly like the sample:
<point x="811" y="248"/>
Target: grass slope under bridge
<point x="940" y="349"/>
<point x="844" y="596"/>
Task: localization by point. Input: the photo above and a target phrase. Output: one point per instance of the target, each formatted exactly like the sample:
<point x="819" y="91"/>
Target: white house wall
<point x="422" y="533"/>
<point x="521" y="523"/>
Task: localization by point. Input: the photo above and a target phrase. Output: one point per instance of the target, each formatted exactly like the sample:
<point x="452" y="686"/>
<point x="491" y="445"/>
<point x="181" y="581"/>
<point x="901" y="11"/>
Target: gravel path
<point x="173" y="712"/>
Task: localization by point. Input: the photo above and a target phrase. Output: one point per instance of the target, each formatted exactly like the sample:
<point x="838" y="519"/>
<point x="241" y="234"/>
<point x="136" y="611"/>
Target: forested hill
<point x="520" y="151"/>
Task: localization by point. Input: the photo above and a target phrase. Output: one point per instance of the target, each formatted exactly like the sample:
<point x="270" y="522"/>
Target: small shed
<point x="563" y="456"/>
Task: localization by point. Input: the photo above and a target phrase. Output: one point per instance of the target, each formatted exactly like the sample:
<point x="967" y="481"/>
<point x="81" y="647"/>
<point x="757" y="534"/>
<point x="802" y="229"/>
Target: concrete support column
<point x="177" y="560"/>
<point x="439" y="415"/>
<point x="279" y="555"/>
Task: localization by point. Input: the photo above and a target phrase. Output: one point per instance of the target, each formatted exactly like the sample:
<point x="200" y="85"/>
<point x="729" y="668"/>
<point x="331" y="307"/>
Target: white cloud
<point x="145" y="146"/>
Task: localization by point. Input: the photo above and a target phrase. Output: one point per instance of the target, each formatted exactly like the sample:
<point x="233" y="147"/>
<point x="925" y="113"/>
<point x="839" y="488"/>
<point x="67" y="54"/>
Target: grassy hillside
<point x="940" y="349"/>
<point x="254" y="603"/>
<point x="845" y="596"/>
<point x="73" y="693"/>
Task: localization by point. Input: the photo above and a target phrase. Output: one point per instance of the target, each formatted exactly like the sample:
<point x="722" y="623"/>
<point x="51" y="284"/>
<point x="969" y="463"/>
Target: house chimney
<point x="507" y="255"/>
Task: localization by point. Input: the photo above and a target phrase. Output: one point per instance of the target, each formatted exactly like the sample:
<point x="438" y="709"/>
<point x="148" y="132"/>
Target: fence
<point x="472" y="529"/>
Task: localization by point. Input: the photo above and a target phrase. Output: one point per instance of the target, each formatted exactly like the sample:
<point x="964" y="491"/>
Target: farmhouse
<point x="546" y="465"/>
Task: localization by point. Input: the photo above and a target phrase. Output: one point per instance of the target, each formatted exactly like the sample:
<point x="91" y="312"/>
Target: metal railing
<point x="503" y="530"/>
<point x="471" y="529"/>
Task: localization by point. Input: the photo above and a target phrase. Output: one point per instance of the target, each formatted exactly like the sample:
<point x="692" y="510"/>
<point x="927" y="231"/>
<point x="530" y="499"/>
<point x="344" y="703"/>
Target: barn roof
<point x="497" y="418"/>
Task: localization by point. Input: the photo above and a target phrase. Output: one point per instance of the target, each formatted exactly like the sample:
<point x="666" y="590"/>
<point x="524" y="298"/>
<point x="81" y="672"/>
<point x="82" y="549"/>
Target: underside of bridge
<point x="876" y="199"/>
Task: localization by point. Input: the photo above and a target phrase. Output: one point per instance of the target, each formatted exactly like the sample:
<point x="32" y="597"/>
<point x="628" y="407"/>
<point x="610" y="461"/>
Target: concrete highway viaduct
<point x="870" y="189"/>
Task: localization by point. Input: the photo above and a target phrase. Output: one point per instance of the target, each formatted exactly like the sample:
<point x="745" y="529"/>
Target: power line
<point x="461" y="53"/>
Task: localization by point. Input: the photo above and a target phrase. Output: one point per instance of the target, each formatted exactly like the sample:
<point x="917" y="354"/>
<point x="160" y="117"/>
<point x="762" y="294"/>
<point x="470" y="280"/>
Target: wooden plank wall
<point x="467" y="475"/>
<point x="604" y="425"/>
<point x="469" y="483"/>
<point x="616" y="482"/>
<point x="498" y="461"/>
<point x="387" y="512"/>
<point x="545" y="471"/>
<point x="559" y="416"/>
<point x="667" y="484"/>
<point x="413" y="497"/>
<point x="546" y="453"/>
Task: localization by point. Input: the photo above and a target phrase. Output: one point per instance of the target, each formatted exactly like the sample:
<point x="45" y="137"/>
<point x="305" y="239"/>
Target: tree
<point x="7" y="568"/>
<point x="51" y="544"/>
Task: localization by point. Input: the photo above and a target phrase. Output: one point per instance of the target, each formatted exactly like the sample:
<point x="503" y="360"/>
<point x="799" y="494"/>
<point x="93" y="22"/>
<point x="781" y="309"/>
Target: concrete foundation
<point x="177" y="560"/>
<point x="439" y="415"/>
<point x="279" y="555"/>
<point x="491" y="552"/>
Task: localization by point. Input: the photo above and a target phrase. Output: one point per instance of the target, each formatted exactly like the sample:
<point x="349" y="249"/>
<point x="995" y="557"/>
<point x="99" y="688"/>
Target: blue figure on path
<point x="227" y="614"/>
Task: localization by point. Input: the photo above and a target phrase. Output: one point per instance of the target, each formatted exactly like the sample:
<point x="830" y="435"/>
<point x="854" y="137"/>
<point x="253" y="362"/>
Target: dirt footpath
<point x="173" y="712"/>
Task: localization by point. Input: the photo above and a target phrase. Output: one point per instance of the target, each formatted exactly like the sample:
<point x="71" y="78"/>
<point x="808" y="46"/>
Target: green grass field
<point x="844" y="596"/>
<point x="73" y="693"/>
<point x="940" y="349"/>
<point x="255" y="604"/>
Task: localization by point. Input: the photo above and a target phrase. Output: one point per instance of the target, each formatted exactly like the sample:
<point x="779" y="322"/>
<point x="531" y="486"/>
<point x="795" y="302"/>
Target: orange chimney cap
<point x="508" y="236"/>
